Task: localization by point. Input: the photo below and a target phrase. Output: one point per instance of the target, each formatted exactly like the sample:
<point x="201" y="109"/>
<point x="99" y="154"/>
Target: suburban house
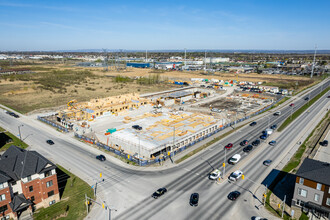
<point x="312" y="188"/>
<point x="28" y="181"/>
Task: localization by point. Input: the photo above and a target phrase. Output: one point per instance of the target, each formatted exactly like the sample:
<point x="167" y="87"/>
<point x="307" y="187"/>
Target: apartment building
<point x="312" y="187"/>
<point x="28" y="181"/>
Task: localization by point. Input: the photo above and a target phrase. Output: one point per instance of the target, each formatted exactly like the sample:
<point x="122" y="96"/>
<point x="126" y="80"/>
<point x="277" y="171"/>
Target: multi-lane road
<point x="129" y="189"/>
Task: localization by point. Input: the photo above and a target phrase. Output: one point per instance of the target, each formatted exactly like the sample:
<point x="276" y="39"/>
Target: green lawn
<point x="15" y="141"/>
<point x="72" y="204"/>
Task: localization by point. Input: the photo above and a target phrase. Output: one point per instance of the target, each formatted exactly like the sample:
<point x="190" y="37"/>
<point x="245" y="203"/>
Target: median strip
<point x="207" y="145"/>
<point x="301" y="110"/>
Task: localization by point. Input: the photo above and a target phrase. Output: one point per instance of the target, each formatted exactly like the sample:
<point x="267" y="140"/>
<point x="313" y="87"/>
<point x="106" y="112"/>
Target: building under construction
<point x="95" y="108"/>
<point x="155" y="133"/>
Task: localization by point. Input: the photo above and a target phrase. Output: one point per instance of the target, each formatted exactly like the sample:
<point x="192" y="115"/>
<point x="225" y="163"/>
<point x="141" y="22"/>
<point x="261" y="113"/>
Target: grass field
<point x="72" y="204"/>
<point x="15" y="141"/>
<point x="53" y="84"/>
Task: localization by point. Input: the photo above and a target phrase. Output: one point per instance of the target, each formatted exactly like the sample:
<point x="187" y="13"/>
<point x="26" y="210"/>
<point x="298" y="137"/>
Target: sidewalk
<point x="285" y="159"/>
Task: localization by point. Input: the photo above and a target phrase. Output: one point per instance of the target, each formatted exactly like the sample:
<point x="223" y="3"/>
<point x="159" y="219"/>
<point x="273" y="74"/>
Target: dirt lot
<point x="46" y="88"/>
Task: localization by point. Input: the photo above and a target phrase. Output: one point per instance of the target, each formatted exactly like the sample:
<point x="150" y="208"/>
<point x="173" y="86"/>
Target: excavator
<point x="70" y="104"/>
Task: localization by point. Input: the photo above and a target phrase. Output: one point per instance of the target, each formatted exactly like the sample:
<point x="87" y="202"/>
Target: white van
<point x="234" y="159"/>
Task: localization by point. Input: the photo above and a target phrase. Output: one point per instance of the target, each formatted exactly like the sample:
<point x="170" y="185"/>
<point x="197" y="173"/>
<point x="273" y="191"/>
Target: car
<point x="272" y="143"/>
<point x="137" y="127"/>
<point x="12" y="114"/>
<point x="159" y="193"/>
<point x="215" y="110"/>
<point x="267" y="162"/>
<point x="258" y="218"/>
<point x="253" y="123"/>
<point x="229" y="146"/>
<point x="233" y="195"/>
<point x="324" y="143"/>
<point x="256" y="142"/>
<point x="306" y="98"/>
<point x="244" y="142"/>
<point x="273" y="126"/>
<point x="101" y="157"/>
<point x="50" y="142"/>
<point x="248" y="148"/>
<point x="235" y="175"/>
<point x="263" y="137"/>
<point x="215" y="174"/>
<point x="234" y="159"/>
<point x="194" y="199"/>
<point x="277" y="113"/>
<point x="291" y="105"/>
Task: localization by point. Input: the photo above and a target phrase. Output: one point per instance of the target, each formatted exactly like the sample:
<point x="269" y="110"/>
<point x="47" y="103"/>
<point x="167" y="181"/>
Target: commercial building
<point x="312" y="188"/>
<point x="28" y="181"/>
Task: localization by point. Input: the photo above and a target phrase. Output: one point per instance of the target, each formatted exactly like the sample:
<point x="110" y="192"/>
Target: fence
<point x="53" y="124"/>
<point x="143" y="162"/>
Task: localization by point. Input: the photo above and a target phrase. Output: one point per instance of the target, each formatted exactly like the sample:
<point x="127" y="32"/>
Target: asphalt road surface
<point x="129" y="190"/>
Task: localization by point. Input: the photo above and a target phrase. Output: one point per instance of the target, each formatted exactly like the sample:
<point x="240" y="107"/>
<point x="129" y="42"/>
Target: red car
<point x="228" y="146"/>
<point x="291" y="104"/>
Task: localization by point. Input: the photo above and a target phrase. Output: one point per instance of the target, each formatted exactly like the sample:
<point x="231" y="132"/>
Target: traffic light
<point x="103" y="205"/>
<point x="242" y="177"/>
<point x="169" y="153"/>
<point x="279" y="205"/>
<point x="100" y="175"/>
<point x="265" y="195"/>
<point x="223" y="164"/>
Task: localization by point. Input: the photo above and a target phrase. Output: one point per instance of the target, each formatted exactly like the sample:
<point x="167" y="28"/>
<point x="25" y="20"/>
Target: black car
<point x="159" y="193"/>
<point x="248" y="148"/>
<point x="234" y="195"/>
<point x="137" y="127"/>
<point x="324" y="143"/>
<point x="50" y="142"/>
<point x="101" y="157"/>
<point x="194" y="199"/>
<point x="273" y="127"/>
<point x="253" y="123"/>
<point x="256" y="142"/>
<point x="12" y="114"/>
<point x="263" y="137"/>
<point x="243" y="143"/>
<point x="307" y="98"/>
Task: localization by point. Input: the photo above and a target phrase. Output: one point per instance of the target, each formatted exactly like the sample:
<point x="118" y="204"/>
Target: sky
<point x="164" y="25"/>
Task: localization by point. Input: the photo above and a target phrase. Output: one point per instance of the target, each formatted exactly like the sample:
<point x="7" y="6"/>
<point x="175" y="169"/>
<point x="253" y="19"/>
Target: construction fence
<point x="161" y="158"/>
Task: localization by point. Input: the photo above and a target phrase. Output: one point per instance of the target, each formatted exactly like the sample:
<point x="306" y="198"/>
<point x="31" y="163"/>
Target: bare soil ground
<point x="25" y="95"/>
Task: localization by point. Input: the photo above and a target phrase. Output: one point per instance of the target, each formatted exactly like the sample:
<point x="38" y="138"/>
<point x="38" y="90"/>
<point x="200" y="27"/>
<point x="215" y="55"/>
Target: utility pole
<point x="224" y="163"/>
<point x="205" y="63"/>
<point x="185" y="59"/>
<point x="313" y="62"/>
<point x="283" y="206"/>
<point x="86" y="203"/>
<point x="146" y="55"/>
<point x="265" y="195"/>
<point x="19" y="131"/>
<point x="235" y="120"/>
<point x="173" y="140"/>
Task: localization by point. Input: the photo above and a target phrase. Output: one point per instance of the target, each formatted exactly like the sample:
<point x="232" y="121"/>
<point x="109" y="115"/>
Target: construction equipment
<point x="70" y="104"/>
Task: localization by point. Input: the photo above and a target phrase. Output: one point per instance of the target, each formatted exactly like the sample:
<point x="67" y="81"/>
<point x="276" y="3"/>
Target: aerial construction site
<point x="155" y="125"/>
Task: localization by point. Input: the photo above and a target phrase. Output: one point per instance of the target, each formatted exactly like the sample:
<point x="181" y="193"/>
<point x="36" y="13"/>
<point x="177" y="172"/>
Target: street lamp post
<point x="19" y="131"/>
